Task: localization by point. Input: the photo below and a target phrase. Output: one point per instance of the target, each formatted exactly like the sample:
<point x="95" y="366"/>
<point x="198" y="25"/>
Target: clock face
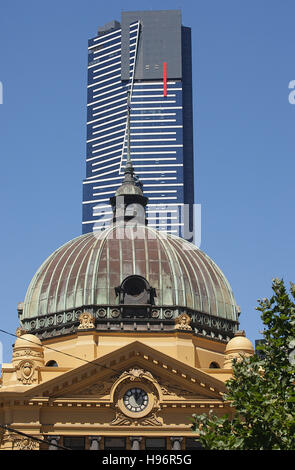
<point x="135" y="399"/>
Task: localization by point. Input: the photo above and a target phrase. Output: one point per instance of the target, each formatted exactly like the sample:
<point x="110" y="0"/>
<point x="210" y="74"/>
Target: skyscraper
<point x="148" y="54"/>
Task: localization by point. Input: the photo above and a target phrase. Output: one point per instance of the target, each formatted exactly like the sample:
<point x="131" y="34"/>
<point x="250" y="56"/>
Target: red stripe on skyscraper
<point x="165" y="78"/>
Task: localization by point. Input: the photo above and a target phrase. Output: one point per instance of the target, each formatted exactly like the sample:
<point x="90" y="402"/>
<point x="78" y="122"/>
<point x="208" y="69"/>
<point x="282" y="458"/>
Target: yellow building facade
<point x="124" y="335"/>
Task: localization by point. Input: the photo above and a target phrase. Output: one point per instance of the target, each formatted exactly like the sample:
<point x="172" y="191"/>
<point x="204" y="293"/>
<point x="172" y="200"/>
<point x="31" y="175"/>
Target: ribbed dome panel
<point x="86" y="270"/>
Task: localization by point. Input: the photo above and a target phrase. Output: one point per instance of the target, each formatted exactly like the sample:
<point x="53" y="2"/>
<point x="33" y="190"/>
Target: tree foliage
<point x="262" y="389"/>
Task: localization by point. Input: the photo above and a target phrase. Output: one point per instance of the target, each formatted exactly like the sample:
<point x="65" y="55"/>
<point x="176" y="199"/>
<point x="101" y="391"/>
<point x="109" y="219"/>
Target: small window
<point x="51" y="364"/>
<point x="155" y="443"/>
<point x="74" y="443"/>
<point x="214" y="365"/>
<point x="113" y="443"/>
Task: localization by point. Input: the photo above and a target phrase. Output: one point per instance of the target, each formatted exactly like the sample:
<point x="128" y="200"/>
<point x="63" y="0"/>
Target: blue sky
<point x="244" y="128"/>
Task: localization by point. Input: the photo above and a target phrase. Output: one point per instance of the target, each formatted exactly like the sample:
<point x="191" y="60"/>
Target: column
<point x="135" y="442"/>
<point x="176" y="443"/>
<point x="94" y="442"/>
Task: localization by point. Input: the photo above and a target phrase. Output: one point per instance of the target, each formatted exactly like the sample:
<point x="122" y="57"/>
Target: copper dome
<point x="86" y="270"/>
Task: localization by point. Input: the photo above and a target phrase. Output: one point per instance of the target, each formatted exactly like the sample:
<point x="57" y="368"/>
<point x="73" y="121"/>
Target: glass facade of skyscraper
<point x="148" y="54"/>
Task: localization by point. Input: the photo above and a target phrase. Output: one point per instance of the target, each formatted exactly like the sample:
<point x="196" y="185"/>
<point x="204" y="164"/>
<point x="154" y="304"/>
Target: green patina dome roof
<point x="86" y="270"/>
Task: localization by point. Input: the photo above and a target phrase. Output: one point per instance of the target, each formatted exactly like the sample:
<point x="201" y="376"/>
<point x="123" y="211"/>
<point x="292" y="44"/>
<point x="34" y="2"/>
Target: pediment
<point x="96" y="380"/>
<point x="170" y="390"/>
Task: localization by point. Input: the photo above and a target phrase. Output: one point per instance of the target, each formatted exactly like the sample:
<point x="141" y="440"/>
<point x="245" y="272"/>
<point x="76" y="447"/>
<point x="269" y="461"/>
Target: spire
<point x="129" y="170"/>
<point x="128" y="160"/>
<point x="129" y="190"/>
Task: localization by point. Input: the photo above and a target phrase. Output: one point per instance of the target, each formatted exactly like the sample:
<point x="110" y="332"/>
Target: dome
<point x="87" y="270"/>
<point x="239" y="343"/>
<point x="127" y="189"/>
<point x="27" y="350"/>
<point x="27" y="341"/>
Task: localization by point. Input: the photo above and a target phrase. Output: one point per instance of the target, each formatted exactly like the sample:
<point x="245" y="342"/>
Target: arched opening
<point x="214" y="365"/>
<point x="136" y="297"/>
<point x="134" y="286"/>
<point x="135" y="290"/>
<point x="51" y="364"/>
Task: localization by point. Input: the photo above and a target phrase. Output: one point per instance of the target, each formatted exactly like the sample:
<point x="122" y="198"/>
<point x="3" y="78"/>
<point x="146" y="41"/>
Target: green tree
<point x="262" y="389"/>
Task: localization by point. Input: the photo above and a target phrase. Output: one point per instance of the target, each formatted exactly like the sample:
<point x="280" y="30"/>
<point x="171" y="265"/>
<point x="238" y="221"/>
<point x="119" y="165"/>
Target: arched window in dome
<point x="135" y="290"/>
<point x="214" y="365"/>
<point x="51" y="364"/>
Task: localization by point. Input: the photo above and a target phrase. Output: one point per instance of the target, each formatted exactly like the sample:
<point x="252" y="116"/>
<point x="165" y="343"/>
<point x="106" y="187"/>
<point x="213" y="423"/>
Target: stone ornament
<point x="115" y="313"/>
<point x="26" y="372"/>
<point x="20" y="331"/>
<point x="168" y="314"/>
<point x="101" y="313"/>
<point x="155" y="313"/>
<point x="41" y="322"/>
<point x="27" y="358"/>
<point x="29" y="353"/>
<point x="182" y="322"/>
<point x="16" y="441"/>
<point x="59" y="319"/>
<point x="135" y="374"/>
<point x="26" y="444"/>
<point x="86" y="321"/>
<point x="69" y="316"/>
<point x="122" y="420"/>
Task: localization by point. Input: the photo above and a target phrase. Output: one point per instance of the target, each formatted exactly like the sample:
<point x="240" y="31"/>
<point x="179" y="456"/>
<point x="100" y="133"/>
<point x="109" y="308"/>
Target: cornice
<point x="111" y="318"/>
